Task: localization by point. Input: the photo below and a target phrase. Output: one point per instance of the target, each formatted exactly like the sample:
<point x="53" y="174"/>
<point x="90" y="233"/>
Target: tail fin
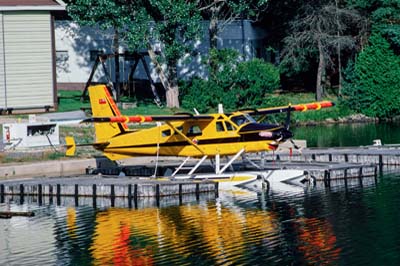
<point x="103" y="105"/>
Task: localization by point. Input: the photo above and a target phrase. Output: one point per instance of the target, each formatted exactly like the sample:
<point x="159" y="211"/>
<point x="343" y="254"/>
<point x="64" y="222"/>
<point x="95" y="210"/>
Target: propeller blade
<point x="287" y="122"/>
<point x="294" y="144"/>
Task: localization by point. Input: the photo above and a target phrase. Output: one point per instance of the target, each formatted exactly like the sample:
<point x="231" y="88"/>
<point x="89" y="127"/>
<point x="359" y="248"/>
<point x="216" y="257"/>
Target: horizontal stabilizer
<point x="71" y="146"/>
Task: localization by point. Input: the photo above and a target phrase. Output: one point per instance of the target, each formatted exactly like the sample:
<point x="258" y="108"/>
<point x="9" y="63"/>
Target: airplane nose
<point x="286" y="134"/>
<point x="280" y="135"/>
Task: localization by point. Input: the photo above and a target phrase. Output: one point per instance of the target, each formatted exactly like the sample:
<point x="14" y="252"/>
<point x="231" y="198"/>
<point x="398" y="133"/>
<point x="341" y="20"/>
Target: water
<point x="357" y="225"/>
<point x="354" y="225"/>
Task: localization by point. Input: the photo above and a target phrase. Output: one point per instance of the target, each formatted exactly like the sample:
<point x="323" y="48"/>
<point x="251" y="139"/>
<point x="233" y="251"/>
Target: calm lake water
<point x="354" y="225"/>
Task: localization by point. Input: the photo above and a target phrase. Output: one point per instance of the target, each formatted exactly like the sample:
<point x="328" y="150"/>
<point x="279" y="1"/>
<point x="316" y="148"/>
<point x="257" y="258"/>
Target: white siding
<point x="2" y="74"/>
<point x="28" y="58"/>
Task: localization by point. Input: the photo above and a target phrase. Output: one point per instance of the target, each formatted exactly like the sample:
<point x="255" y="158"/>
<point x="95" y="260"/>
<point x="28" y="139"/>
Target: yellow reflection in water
<point x="71" y="222"/>
<point x="222" y="230"/>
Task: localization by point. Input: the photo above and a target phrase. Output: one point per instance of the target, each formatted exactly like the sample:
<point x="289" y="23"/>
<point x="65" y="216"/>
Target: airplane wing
<point x="153" y="118"/>
<point x="297" y="107"/>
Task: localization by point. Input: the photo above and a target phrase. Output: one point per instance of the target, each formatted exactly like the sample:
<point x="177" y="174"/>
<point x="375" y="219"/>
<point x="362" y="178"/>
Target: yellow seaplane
<point x="187" y="135"/>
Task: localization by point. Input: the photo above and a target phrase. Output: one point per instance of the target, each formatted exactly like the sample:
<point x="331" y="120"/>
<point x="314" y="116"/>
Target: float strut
<point x="198" y="164"/>
<point x="230" y="162"/>
<point x="180" y="167"/>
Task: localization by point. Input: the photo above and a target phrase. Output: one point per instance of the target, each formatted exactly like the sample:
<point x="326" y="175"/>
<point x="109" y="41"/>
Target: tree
<point x="142" y="24"/>
<point x="372" y="86"/>
<point x="318" y="32"/>
<point x="384" y="16"/>
<point x="235" y="84"/>
<point x="90" y="12"/>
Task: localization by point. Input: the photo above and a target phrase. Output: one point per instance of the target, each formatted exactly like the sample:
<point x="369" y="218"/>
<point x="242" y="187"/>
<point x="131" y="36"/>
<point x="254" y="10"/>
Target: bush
<point x="372" y="85"/>
<point x="234" y="84"/>
<point x="254" y="80"/>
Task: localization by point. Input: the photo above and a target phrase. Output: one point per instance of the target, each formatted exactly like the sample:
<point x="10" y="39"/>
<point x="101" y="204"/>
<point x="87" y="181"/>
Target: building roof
<point x="26" y="5"/>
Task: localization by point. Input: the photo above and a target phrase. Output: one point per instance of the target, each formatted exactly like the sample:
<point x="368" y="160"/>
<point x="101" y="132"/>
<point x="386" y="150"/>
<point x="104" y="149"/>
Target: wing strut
<point x="185" y="137"/>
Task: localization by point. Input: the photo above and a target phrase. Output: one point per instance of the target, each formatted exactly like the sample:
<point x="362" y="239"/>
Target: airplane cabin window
<point x="166" y="133"/>
<point x="239" y="120"/>
<point x="242" y="119"/>
<point x="180" y="128"/>
<point x="229" y="126"/>
<point x="194" y="131"/>
<point x="219" y="126"/>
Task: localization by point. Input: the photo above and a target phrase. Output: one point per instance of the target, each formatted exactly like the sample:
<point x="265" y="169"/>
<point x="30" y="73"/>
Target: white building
<point x="27" y="62"/>
<point x="77" y="48"/>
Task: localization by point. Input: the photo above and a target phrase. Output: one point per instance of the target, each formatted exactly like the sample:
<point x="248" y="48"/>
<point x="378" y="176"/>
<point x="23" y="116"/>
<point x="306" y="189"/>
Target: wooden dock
<point x="319" y="170"/>
<point x="377" y="155"/>
<point x="127" y="189"/>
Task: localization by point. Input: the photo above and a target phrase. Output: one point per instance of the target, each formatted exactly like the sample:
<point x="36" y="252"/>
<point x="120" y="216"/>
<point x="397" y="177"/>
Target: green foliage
<point x="384" y="16"/>
<point x="372" y="87"/>
<point x="233" y="83"/>
<point x="141" y="24"/>
<point x="254" y="79"/>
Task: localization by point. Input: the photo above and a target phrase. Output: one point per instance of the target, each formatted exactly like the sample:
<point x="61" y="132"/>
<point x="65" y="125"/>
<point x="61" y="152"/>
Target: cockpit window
<point x="242" y="119"/>
<point x="229" y="126"/>
<point x="219" y="126"/>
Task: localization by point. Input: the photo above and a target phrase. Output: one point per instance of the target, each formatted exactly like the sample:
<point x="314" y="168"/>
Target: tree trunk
<point x="213" y="32"/>
<point x="158" y="67"/>
<point x="339" y="50"/>
<point x="169" y="83"/>
<point x="172" y="94"/>
<point x="321" y="67"/>
<point x="116" y="63"/>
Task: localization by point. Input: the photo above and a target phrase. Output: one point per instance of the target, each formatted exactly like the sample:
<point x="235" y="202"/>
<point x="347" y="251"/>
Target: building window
<point x="62" y="65"/>
<point x="95" y="53"/>
<point x="61" y="56"/>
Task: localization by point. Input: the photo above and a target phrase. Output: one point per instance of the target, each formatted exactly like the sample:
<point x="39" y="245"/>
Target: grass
<point x="71" y="101"/>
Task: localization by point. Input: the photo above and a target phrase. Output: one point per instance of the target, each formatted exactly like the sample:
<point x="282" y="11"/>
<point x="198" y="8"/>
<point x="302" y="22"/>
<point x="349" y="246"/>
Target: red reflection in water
<point x="317" y="241"/>
<point x="125" y="254"/>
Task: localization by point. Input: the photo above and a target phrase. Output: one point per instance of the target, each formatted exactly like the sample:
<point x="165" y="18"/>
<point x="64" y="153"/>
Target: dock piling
<point x="58" y="194"/>
<point x="94" y="192"/>
<point x="40" y="194"/>
<point x="2" y="193"/>
<point x="197" y="191"/>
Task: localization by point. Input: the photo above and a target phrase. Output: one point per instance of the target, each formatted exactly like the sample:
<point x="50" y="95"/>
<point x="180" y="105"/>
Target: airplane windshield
<point x="243" y="119"/>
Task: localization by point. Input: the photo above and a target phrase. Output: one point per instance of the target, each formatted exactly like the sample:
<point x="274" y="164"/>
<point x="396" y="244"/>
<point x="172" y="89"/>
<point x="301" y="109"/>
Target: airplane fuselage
<point x="222" y="136"/>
